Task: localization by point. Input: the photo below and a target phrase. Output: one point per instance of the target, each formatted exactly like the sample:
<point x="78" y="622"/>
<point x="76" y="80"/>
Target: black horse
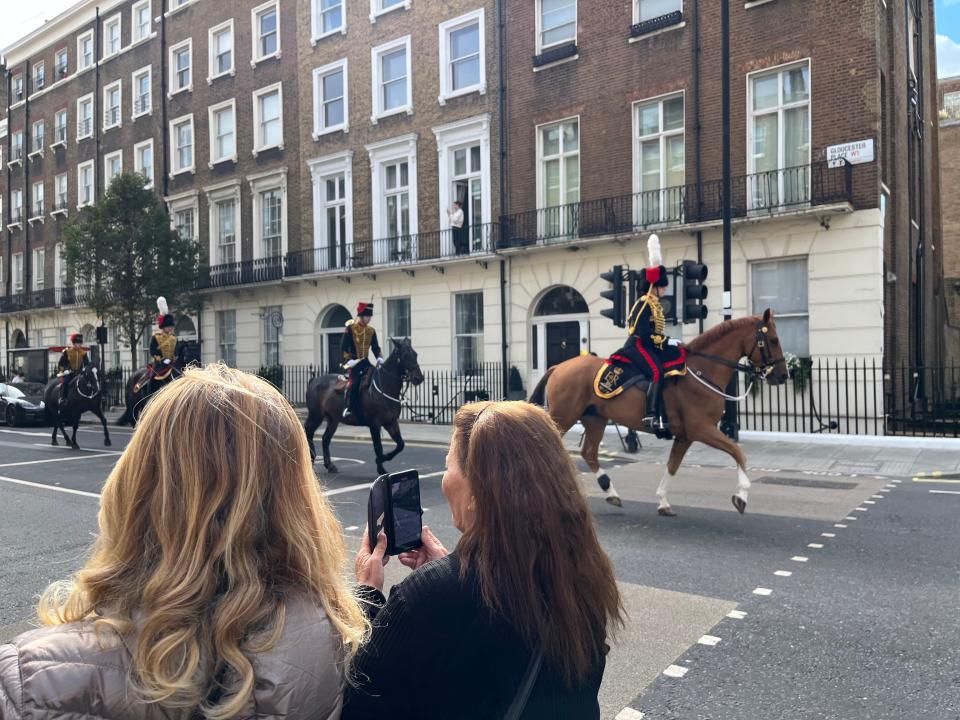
<point x="83" y="395"/>
<point x="380" y="397"/>
<point x="138" y="389"/>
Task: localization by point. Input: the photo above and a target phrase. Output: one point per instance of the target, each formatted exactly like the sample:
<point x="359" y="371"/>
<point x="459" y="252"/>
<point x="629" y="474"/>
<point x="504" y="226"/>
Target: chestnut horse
<point x="694" y="402"/>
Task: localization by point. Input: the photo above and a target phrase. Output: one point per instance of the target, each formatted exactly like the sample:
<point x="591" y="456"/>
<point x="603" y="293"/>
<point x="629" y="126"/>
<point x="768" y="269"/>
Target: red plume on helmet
<point x="365" y="308"/>
<point x="76" y="337"/>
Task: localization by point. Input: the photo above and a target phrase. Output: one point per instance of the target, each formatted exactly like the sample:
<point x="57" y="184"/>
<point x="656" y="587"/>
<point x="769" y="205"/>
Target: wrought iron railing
<point x="60" y="134"/>
<point x="84" y="128"/>
<point x="658" y="23"/>
<point x="141" y="104"/>
<point x="242" y="273"/>
<point x="38" y="142"/>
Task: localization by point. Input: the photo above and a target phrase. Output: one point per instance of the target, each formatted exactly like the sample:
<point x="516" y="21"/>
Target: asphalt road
<point x="864" y="627"/>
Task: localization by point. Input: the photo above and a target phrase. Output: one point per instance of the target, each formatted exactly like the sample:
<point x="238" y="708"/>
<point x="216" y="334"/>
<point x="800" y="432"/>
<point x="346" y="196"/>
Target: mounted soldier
<point x="163" y="348"/>
<point x="72" y="360"/>
<point x="648" y="349"/>
<point x="359" y="339"/>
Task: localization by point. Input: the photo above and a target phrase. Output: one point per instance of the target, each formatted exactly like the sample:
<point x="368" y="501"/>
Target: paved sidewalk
<point x="824" y="454"/>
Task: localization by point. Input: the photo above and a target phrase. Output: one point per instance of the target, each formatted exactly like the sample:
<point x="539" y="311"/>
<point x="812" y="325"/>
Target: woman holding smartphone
<point x="515" y="621"/>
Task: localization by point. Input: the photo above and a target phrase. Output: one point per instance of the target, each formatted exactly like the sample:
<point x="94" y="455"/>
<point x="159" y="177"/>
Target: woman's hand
<point x="369" y="563"/>
<point x="432" y="549"/>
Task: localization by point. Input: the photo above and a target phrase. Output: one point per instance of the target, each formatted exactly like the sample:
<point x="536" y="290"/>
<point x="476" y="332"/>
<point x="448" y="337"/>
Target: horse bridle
<point x="404" y="384"/>
<point x="760" y="370"/>
<point x="82" y="378"/>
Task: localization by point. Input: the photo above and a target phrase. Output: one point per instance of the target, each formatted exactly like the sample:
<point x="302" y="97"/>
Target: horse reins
<point x="80" y="392"/>
<point x="403" y="385"/>
<point x="757" y="371"/>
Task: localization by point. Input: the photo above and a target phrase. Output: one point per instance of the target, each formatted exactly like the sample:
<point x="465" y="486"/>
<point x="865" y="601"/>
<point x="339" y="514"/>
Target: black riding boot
<point x="656" y="418"/>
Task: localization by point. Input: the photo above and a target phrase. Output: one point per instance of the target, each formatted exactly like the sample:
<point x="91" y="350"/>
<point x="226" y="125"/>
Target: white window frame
<point x="377" y="9"/>
<point x="221" y="343"/>
<point x="107" y="89"/>
<point x="33" y="200"/>
<point x="115" y="19"/>
<point x="229" y="190"/>
<point x="38" y="259"/>
<point x="57" y="65"/>
<point x="134" y="37"/>
<point x="80" y="101"/>
<point x="138" y="167"/>
<point x="321" y="169"/>
<point x="33" y="149"/>
<point x="636" y="11"/>
<point x="16" y="273"/>
<point x="265" y="312"/>
<point x="539" y="23"/>
<point x="212" y="51"/>
<point x="661" y="136"/>
<point x="134" y="76"/>
<point x="779" y="71"/>
<point x="189" y="200"/>
<point x="172" y="60"/>
<point x="17" y="145"/>
<point x="175" y="169"/>
<point x="376" y="67"/>
<point x="446" y="79"/>
<point x="455" y="364"/>
<point x="80" y="187"/>
<point x="381" y="154"/>
<point x="318" y="99"/>
<point x="39" y="65"/>
<point x="541" y="200"/>
<point x="66" y="126"/>
<point x="255" y="13"/>
<point x="57" y="192"/>
<point x="17" y="205"/>
<point x="88" y="35"/>
<point x="257" y="147"/>
<point x="116" y="154"/>
<point x="211" y="112"/>
<point x="755" y="310"/>
<point x="259" y="184"/>
<point x="59" y="271"/>
<point x="451" y="137"/>
<point x="316" y="33"/>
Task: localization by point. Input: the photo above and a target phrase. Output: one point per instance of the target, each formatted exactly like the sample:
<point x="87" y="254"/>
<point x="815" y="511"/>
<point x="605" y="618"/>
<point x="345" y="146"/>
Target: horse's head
<point x="407" y="359"/>
<point x="767" y="353"/>
<point x="88" y="381"/>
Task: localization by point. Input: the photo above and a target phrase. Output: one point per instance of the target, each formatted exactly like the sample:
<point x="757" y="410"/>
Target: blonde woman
<point x="216" y="586"/>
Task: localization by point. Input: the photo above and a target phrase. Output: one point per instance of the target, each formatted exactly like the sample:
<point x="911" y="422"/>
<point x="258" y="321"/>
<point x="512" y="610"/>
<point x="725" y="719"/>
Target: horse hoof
<point x="107" y="442"/>
<point x="666" y="512"/>
<point x="331" y="468"/>
<point x="739" y="503"/>
<point x="615" y="501"/>
<point x="55" y="443"/>
<point x="75" y="446"/>
<point x="604" y="482"/>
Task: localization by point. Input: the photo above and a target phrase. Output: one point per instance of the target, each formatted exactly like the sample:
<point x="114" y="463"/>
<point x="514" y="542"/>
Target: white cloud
<point x="948" y="56"/>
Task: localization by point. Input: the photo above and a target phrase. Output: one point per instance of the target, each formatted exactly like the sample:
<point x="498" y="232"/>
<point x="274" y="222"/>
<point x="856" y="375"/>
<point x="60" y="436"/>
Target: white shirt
<point x="456" y="217"/>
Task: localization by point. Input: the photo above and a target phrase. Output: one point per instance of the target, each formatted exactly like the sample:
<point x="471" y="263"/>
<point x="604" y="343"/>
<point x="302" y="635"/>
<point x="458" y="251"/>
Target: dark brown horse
<point x="84" y="395"/>
<point x="381" y="395"/>
<point x="138" y="389"/>
<point x="694" y="403"/>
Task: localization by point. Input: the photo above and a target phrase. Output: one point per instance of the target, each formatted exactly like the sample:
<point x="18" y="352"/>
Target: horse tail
<point x="539" y="395"/>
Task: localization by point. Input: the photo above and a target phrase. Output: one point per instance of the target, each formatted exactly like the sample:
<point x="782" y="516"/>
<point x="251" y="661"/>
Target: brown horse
<point x="381" y="393"/>
<point x="694" y="402"/>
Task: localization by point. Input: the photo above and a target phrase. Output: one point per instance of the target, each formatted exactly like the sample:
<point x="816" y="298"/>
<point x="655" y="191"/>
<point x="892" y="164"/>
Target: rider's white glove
<point x="351" y="363"/>
<point x="67" y="372"/>
<point x="674" y="342"/>
<point x="166" y="361"/>
<point x="379" y="361"/>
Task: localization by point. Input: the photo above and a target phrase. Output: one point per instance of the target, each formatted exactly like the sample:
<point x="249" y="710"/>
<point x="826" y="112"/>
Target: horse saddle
<point x="161" y="371"/>
<point x="615" y="376"/>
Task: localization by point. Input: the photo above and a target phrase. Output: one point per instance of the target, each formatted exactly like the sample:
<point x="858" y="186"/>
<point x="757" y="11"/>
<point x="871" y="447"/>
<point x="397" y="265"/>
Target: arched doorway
<point x="328" y="331"/>
<point x="19" y="339"/>
<point x="185" y="329"/>
<point x="561" y="328"/>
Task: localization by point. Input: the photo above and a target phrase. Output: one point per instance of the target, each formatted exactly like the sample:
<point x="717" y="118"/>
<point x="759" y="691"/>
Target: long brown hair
<point x="532" y="546"/>
<point x="210" y="519"/>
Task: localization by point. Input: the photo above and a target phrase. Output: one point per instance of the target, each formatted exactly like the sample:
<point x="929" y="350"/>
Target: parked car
<point x="22" y="403"/>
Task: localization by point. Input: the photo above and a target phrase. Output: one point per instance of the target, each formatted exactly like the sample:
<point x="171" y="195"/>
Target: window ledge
<point x="317" y="134"/>
<point x="183" y="171"/>
<point x="58" y="143"/>
<point x="479" y="89"/>
<point x="755" y="3"/>
<point x="271" y="56"/>
<point x="35" y="219"/>
<point x="381" y="13"/>
<point x="232" y="72"/>
<point x="214" y="163"/>
<point x="408" y="109"/>
<point x="555" y="63"/>
<point x="257" y="151"/>
<point x="17" y="225"/>
<point x="654" y="33"/>
<point x="174" y="11"/>
<point x="553" y="55"/>
<point x="145" y="113"/>
<point x="112" y="127"/>
<point x="317" y="38"/>
<point x="35" y="153"/>
<point x="188" y="88"/>
<point x="59" y="211"/>
<point x="84" y="137"/>
<point x="657" y="24"/>
<point x="85" y="205"/>
<point x="15" y="161"/>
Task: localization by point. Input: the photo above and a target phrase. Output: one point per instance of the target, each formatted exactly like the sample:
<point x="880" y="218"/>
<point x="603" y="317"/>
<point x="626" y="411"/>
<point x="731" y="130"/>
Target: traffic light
<point x="694" y="291"/>
<point x="616" y="313"/>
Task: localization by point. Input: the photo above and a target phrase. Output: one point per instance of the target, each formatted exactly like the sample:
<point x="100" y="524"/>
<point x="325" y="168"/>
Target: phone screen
<point x="405" y="494"/>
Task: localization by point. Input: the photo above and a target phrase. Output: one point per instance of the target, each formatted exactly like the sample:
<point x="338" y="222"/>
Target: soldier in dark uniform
<point x="648" y="347"/>
<point x="359" y="339"/>
<point x="72" y="360"/>
<point x="163" y="347"/>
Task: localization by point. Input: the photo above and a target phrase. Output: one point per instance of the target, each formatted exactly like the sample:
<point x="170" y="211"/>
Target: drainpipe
<point x="96" y="106"/>
<point x="921" y="205"/>
<point x="164" y="136"/>
<point x="502" y="109"/>
<point x="697" y="130"/>
<point x="27" y="194"/>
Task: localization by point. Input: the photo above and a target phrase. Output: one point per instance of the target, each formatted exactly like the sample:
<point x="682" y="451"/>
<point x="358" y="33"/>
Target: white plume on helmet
<point x="653" y="251"/>
<point x="162" y="305"/>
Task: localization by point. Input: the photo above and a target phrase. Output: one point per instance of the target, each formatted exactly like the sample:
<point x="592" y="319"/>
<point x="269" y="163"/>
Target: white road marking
<point x="860" y="509"/>
<point x="736" y="614"/>
<point x="877" y="497"/>
<point x="799" y="558"/>
<point x="26" y="432"/>
<point x="815" y="546"/>
<point x="839" y="525"/>
<point x="709" y="640"/>
<point x="49" y="487"/>
<point x="869" y="502"/>
<point x="675" y="671"/>
<point x="67" y="448"/>
<point x="347" y="489"/>
<point x="885" y="489"/>
<point x="827" y="534"/>
<point x="433" y="474"/>
<point x="783" y="573"/>
<point x="945" y="492"/>
<point x="628" y="713"/>
<point x="351" y="528"/>
<point x="353" y="460"/>
<point x="762" y="591"/>
<point x="61" y="459"/>
<point x="896" y="482"/>
<point x="850" y="517"/>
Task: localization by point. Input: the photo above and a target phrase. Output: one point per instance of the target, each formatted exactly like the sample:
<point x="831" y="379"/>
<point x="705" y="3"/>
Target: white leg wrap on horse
<point x="662" y="489"/>
<point x="604" y="479"/>
<point x="743" y="484"/>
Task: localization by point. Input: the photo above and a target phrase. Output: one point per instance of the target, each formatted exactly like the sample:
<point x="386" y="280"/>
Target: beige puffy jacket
<point x="70" y="672"/>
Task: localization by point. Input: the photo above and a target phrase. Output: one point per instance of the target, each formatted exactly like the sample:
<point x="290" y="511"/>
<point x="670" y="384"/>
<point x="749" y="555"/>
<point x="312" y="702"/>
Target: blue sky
<point x="948" y="37"/>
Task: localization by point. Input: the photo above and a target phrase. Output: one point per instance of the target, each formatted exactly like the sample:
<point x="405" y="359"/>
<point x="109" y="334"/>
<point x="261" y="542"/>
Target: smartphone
<point x="394" y="508"/>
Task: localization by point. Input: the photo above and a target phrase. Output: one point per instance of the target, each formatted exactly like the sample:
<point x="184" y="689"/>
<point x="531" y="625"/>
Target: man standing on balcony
<point x="648" y="347"/>
<point x="72" y="360"/>
<point x="358" y="340"/>
<point x="456" y="225"/>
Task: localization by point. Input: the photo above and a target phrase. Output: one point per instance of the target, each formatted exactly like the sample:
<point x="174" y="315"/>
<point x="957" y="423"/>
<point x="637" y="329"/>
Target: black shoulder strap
<point x="526" y="686"/>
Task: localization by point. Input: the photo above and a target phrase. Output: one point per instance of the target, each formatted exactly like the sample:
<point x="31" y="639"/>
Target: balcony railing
<point x="60" y="203"/>
<point x="16" y="154"/>
<point x="141" y="105"/>
<point x="243" y="273"/>
<point x="658" y="23"/>
<point x="38" y="143"/>
<point x="60" y="134"/>
<point x="16" y="216"/>
<point x="84" y="128"/>
<point x="111" y="117"/>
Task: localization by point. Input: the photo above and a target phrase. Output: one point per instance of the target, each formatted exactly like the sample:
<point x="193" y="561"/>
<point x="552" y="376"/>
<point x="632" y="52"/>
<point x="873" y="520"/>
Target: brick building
<point x="949" y="104"/>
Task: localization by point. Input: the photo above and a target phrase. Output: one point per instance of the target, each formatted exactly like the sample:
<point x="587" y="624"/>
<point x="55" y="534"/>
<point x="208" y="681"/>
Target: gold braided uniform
<point x="364" y="337"/>
<point x="655" y="317"/>
<point x="75" y="358"/>
<point x="163" y="346"/>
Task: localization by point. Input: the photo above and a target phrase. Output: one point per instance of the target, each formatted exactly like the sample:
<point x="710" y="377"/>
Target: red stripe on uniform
<point x="679" y="361"/>
<point x="650" y="362"/>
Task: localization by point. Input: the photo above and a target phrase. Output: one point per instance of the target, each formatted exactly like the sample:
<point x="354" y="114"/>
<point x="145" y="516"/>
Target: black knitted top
<point x="437" y="652"/>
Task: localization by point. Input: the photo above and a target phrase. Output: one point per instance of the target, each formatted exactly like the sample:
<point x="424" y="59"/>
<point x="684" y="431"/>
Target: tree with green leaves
<point x="123" y="254"/>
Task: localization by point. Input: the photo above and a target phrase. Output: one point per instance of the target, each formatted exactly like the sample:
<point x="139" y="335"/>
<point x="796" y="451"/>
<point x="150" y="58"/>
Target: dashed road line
<point x="100" y="453"/>
<point x="869" y="502"/>
<point x="708" y="640"/>
<point x="938" y="481"/>
<point x="828" y="535"/>
<point x="799" y="558"/>
<point x="628" y="713"/>
<point x="877" y="497"/>
<point x="736" y="614"/>
<point x="675" y="671"/>
<point x="69" y="491"/>
<point x="850" y="517"/>
<point x="861" y="509"/>
<point x="783" y="573"/>
<point x="946" y="492"/>
<point x="815" y="546"/>
<point x="762" y="591"/>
